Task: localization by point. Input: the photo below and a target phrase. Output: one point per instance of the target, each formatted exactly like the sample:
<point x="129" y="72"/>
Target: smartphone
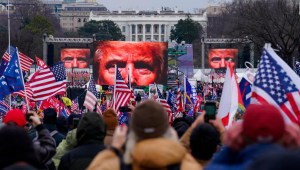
<point x="211" y="111"/>
<point x="124" y="109"/>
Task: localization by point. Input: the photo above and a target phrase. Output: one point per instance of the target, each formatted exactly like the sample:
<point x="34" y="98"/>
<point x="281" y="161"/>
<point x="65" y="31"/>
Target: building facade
<point x="147" y="25"/>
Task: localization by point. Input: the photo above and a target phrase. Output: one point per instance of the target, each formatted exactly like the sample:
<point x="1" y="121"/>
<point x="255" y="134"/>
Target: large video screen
<point x="217" y="58"/>
<point x="145" y="62"/>
<point x="75" y="57"/>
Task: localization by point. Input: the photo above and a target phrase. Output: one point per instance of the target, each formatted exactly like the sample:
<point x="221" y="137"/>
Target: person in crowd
<point x="65" y="146"/>
<point x="90" y="135"/>
<point x="151" y="144"/>
<point x="50" y="118"/>
<point x="16" y="149"/>
<point x="138" y="98"/>
<point x="73" y="120"/>
<point x="111" y="120"/>
<point x="62" y="125"/>
<point x="44" y="145"/>
<point x="260" y="133"/>
<point x="145" y="61"/>
<point x="181" y="124"/>
<point x="75" y="57"/>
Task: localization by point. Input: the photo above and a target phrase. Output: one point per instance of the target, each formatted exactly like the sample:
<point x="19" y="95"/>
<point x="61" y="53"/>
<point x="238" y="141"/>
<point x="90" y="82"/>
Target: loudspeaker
<point x="50" y="55"/>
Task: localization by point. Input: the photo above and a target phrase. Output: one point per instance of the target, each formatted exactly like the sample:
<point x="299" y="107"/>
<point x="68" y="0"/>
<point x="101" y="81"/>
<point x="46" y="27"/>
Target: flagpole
<point x="114" y="95"/>
<point x="129" y="78"/>
<point x="184" y="94"/>
<point x="22" y="79"/>
<point x="8" y="25"/>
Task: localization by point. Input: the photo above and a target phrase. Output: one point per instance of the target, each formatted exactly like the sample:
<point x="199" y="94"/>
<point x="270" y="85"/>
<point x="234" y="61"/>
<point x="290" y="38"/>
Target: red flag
<point x="41" y="64"/>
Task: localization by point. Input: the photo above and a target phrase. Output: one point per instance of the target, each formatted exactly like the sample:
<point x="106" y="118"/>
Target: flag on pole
<point x="41" y="64"/>
<point x="48" y="82"/>
<point x="25" y="61"/>
<point x="246" y="88"/>
<point x="91" y="96"/>
<point x="165" y="104"/>
<point x="3" y="66"/>
<point x="28" y="89"/>
<point x="179" y="104"/>
<point x="75" y="105"/>
<point x="122" y="92"/>
<point x="231" y="99"/>
<point x="12" y="79"/>
<point x="277" y="84"/>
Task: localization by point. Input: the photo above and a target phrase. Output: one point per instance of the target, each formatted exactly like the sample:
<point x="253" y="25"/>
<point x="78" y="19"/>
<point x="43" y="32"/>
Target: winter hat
<point x="91" y="128"/>
<point x="110" y="118"/>
<point x="16" y="116"/>
<point x="50" y="116"/>
<point x="149" y="120"/>
<point x="263" y="123"/>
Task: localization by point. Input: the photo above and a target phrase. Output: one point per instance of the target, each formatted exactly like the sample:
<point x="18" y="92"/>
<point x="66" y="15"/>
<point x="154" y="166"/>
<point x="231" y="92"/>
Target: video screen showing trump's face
<point x="75" y="57"/>
<point x="145" y="62"/>
<point x="217" y="58"/>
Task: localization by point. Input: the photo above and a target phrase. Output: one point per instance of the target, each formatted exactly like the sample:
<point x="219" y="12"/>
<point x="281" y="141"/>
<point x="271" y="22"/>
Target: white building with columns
<point x="147" y="25"/>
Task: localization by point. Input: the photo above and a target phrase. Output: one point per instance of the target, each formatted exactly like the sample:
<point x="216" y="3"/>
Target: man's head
<point x="144" y="60"/>
<point x="217" y="58"/>
<point x="50" y="116"/>
<point x="75" y="58"/>
<point x="204" y="141"/>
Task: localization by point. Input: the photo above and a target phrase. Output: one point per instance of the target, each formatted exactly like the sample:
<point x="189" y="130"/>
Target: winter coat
<point x="44" y="147"/>
<point x="90" y="135"/>
<point x="227" y="159"/>
<point x="158" y="153"/>
<point x="65" y="146"/>
<point x="58" y="137"/>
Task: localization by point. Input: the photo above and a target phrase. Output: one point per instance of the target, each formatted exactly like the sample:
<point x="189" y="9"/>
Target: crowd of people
<point x="94" y="141"/>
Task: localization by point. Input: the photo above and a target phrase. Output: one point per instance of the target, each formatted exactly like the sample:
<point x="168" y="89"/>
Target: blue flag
<point x="11" y="80"/>
<point x="3" y="66"/>
<point x="245" y="89"/>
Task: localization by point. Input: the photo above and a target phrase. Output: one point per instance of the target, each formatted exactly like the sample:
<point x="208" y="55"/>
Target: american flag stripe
<point x="165" y="104"/>
<point x="75" y="105"/>
<point x="276" y="83"/>
<point x="123" y="93"/>
<point x="44" y="84"/>
<point x="91" y="98"/>
<point x="29" y="92"/>
<point x="25" y="61"/>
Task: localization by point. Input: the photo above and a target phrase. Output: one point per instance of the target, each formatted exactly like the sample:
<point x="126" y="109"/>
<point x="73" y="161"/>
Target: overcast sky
<point x="185" y="5"/>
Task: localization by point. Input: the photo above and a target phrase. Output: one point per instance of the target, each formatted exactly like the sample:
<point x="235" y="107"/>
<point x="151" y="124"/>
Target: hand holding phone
<point x="124" y="109"/>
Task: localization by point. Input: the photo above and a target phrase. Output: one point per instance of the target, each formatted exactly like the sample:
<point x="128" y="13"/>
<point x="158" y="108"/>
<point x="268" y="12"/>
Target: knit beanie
<point x="111" y="119"/>
<point x="16" y="116"/>
<point x="50" y="116"/>
<point x="263" y="123"/>
<point x="149" y="120"/>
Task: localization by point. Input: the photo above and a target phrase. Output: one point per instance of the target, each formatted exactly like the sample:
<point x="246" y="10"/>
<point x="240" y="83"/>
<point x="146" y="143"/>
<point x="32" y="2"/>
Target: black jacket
<point x="90" y="135"/>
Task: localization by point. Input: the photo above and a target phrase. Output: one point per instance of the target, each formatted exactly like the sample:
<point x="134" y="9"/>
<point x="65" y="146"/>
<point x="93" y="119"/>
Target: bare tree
<point x="266" y="21"/>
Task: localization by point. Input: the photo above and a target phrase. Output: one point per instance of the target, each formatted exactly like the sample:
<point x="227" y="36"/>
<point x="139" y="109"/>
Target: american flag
<point x="48" y="82"/>
<point x="276" y="83"/>
<point x="4" y="107"/>
<point x="165" y="104"/>
<point x="29" y="92"/>
<point x="25" y="61"/>
<point x="91" y="95"/>
<point x="122" y="92"/>
<point x="75" y="105"/>
<point x="179" y="104"/>
<point x="41" y="64"/>
<point x="99" y="108"/>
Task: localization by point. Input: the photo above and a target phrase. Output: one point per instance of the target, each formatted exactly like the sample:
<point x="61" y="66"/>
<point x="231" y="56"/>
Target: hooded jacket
<point x="158" y="153"/>
<point x="90" y="135"/>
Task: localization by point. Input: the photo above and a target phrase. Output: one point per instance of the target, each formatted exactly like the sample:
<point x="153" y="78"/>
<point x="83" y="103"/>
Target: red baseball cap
<point x="15" y="115"/>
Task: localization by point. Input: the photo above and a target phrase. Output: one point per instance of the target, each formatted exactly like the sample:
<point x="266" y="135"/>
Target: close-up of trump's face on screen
<point x="75" y="57"/>
<point x="145" y="62"/>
